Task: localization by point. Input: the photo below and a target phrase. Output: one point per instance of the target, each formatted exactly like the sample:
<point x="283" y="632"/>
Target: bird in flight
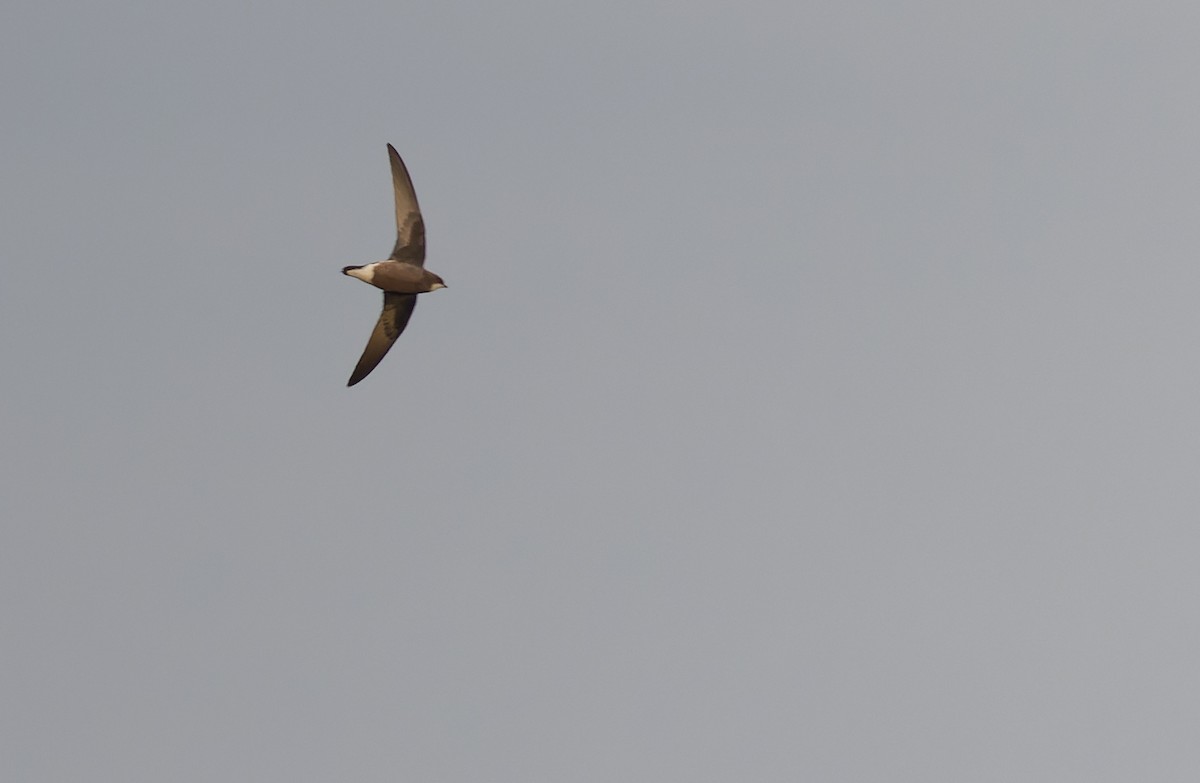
<point x="401" y="277"/>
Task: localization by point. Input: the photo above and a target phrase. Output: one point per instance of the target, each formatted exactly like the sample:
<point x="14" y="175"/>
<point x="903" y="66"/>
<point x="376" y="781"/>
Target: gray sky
<point x="815" y="396"/>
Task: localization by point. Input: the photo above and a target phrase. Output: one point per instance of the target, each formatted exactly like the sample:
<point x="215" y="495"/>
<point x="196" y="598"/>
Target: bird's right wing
<point x="410" y="228"/>
<point x="397" y="309"/>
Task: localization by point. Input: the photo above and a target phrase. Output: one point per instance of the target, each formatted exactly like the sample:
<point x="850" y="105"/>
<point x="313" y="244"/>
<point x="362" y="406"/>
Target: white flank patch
<point x="364" y="273"/>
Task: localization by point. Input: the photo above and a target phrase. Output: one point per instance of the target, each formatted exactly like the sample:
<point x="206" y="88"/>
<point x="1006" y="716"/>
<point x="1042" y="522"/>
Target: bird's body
<point x="402" y="277"/>
<point x="398" y="277"/>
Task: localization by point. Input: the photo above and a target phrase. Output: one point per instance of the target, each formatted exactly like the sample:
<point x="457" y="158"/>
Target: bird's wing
<point x="410" y="228"/>
<point x="397" y="309"/>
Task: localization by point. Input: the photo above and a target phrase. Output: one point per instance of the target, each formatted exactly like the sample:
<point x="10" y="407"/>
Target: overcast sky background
<point x="816" y="396"/>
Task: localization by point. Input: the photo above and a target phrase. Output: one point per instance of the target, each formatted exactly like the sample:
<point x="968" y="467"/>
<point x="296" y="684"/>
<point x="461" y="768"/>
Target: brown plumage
<point x="401" y="277"/>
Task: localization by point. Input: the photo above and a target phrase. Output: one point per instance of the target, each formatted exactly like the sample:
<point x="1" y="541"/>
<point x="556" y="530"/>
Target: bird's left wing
<point x="397" y="309"/>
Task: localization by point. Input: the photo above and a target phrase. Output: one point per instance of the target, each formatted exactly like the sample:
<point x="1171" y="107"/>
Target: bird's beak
<point x="436" y="286"/>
